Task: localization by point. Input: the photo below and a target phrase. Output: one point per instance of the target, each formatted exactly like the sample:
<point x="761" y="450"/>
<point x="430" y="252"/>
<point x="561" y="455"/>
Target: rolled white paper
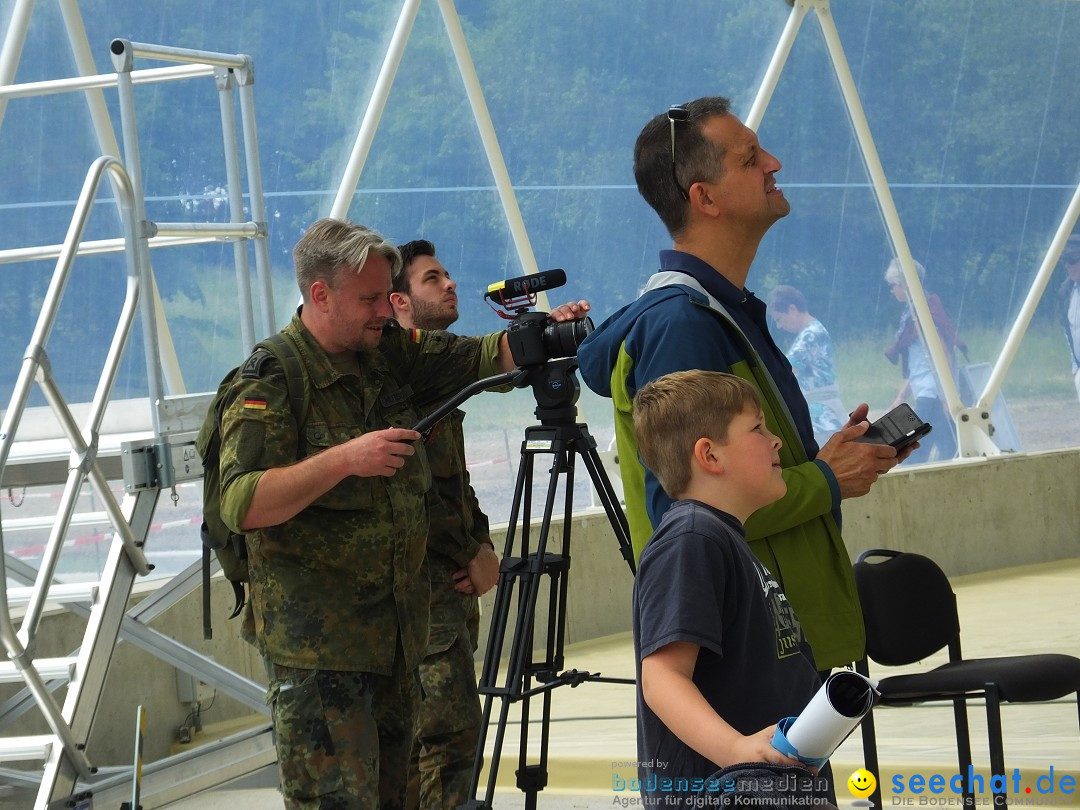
<point x="831" y="715"/>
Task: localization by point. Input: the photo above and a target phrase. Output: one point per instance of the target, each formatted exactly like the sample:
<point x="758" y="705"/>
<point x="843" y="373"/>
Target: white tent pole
<point x="376" y="104"/>
<point x="84" y="62"/>
<point x="1027" y="309"/>
<point x="14" y="40"/>
<point x="776" y="65"/>
<point x="491" y="142"/>
<point x="916" y="295"/>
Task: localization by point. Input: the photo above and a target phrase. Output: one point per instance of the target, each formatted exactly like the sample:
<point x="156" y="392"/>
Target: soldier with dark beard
<point x="461" y="562"/>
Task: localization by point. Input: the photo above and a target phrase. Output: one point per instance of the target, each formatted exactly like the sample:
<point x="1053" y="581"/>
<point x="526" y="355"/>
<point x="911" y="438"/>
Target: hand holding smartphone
<point x="899" y="428"/>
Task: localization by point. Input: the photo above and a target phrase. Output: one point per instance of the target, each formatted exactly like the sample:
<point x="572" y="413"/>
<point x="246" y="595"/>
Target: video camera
<point x="535" y="340"/>
<point x="533" y="337"/>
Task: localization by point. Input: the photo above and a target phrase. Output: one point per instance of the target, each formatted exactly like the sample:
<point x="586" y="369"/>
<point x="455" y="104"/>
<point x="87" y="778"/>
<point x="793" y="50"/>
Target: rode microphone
<point x="520" y="292"/>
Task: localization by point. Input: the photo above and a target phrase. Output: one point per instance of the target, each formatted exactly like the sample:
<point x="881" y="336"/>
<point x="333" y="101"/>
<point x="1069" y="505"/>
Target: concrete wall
<point x="978" y="515"/>
<point x="600" y="584"/>
<point x="974" y="516"/>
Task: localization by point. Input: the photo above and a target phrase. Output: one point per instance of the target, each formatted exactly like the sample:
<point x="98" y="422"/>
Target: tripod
<point x="560" y="436"/>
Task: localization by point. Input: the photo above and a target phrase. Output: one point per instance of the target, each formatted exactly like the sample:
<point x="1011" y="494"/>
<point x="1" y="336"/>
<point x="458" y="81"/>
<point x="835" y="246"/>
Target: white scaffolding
<point x="151" y="459"/>
<point x="148" y="461"/>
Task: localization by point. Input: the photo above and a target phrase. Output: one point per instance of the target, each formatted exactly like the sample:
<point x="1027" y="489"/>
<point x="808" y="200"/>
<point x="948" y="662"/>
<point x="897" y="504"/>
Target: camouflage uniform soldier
<point x="462" y="565"/>
<point x="339" y="595"/>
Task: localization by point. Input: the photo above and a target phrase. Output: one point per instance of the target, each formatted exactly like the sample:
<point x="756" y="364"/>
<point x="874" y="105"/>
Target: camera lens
<point x="562" y="338"/>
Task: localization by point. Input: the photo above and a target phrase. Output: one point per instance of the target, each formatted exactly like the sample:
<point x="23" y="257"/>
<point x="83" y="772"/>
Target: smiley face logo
<point x="861" y="783"/>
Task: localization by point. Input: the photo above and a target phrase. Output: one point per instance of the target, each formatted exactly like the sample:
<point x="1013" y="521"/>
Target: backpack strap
<point x="672" y="278"/>
<point x="296" y="381"/>
<point x="282" y="349"/>
<point x="208" y="632"/>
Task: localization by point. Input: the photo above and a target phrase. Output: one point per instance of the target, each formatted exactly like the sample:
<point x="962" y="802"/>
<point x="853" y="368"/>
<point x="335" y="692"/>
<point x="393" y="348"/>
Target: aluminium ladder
<point x="148" y="461"/>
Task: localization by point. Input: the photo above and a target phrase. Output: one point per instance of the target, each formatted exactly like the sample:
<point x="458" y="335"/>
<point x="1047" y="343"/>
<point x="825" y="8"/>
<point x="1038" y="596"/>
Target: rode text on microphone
<point x="518" y="294"/>
<point x="533" y="337"/>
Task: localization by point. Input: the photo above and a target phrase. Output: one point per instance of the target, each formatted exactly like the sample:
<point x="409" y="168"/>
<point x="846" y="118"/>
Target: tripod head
<point x="556" y="390"/>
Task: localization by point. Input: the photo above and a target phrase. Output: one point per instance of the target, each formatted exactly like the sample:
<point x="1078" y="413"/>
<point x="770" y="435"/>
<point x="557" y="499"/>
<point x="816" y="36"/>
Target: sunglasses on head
<point x="676" y="114"/>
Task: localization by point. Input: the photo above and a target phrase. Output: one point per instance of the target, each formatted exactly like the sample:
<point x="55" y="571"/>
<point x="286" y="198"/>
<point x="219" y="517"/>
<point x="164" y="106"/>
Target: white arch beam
<point x="481" y="115"/>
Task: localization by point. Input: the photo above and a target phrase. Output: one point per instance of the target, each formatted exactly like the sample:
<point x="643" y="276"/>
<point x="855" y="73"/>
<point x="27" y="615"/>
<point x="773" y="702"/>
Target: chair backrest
<point x="908" y="605"/>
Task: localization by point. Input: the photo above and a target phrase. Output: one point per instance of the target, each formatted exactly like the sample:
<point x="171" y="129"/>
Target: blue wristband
<point x="781" y="743"/>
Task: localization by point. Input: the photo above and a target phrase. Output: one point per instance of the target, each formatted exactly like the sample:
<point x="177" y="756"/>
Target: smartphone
<point x="899" y="428"/>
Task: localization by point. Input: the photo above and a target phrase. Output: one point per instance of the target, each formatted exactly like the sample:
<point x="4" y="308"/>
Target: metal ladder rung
<point x="78" y="520"/>
<point x="47" y="668"/>
<point x="59" y="593"/>
<point x="21" y="748"/>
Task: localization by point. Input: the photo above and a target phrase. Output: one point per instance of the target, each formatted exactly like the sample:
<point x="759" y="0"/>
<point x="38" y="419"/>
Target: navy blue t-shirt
<point x="698" y="581"/>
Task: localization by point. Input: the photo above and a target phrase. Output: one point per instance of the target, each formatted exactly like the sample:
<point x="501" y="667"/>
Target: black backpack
<point x="229" y="547"/>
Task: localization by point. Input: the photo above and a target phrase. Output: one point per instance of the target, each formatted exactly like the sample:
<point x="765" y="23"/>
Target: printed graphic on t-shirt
<point x="785" y="622"/>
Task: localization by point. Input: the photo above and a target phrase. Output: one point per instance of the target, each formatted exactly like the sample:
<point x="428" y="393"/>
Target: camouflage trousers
<point x="344" y="738"/>
<point x="449" y="723"/>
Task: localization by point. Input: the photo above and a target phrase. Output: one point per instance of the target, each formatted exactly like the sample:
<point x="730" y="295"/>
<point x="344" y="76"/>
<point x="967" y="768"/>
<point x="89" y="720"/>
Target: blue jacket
<point x="677" y="325"/>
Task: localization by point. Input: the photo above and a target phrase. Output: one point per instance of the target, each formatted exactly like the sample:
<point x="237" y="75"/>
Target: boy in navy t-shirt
<point x="721" y="655"/>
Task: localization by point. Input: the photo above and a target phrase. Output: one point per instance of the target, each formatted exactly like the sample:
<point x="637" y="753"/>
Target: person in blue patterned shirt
<point x="812" y="360"/>
<point x="1069" y="297"/>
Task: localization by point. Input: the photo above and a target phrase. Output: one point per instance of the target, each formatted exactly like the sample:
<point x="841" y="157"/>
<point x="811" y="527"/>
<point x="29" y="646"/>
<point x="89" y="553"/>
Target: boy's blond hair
<point x="672" y="412"/>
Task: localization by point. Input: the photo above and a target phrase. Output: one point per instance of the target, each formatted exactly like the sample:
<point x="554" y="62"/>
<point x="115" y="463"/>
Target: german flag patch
<point x="255" y="404"/>
<point x="415" y="335"/>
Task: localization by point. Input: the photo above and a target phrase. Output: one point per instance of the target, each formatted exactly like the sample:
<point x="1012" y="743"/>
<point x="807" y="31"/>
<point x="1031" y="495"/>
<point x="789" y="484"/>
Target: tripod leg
<point x="532" y="778"/>
<point x="615" y="514"/>
<point x="509" y="572"/>
<point x="524" y="570"/>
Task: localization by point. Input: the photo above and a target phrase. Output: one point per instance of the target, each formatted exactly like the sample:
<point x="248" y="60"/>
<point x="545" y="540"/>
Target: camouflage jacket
<point x="337" y="585"/>
<point x="458" y="527"/>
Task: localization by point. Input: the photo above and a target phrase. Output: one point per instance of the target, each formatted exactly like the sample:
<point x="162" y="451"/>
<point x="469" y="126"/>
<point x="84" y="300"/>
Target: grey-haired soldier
<point x="336" y="519"/>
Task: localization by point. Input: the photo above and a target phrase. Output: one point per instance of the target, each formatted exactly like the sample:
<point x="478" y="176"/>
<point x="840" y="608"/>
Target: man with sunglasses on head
<point x="714" y="187"/>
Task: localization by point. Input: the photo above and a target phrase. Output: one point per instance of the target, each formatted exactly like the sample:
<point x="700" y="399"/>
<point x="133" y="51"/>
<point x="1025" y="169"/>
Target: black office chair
<point x="909" y="609"/>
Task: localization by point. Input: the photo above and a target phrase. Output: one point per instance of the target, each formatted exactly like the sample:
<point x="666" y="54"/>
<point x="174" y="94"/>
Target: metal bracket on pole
<point x="974" y="433"/>
<point x="245" y="75"/>
<point x="160" y="463"/>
